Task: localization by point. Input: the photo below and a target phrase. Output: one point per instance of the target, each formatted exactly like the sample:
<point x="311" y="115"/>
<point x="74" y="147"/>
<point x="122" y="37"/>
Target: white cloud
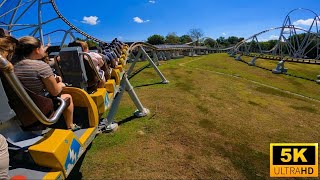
<point x="151" y="1"/>
<point x="265" y="39"/>
<point x="306" y="22"/>
<point x="291" y="30"/>
<point x="298" y="27"/>
<point x="273" y="37"/>
<point x="92" y="20"/>
<point x="139" y="20"/>
<point x="224" y="34"/>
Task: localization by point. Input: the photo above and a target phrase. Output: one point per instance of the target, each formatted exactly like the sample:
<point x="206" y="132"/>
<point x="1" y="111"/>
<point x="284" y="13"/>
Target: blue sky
<point x="135" y="20"/>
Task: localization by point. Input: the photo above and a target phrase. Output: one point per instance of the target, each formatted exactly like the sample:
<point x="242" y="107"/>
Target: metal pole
<point x="164" y="80"/>
<point x="114" y="107"/>
<point x="65" y="37"/>
<point x="134" y="62"/>
<point x="155" y="58"/>
<point x="15" y="22"/>
<point x="13" y="16"/>
<point x="141" y="112"/>
<point x="2" y="3"/>
<point x="40" y="21"/>
<point x="125" y="85"/>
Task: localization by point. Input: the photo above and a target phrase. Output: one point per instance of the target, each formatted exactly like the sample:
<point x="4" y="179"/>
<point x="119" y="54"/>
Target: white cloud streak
<point x="305" y="22"/>
<point x="271" y="37"/>
<point x="152" y="2"/>
<point x="91" y="20"/>
<point x="139" y="20"/>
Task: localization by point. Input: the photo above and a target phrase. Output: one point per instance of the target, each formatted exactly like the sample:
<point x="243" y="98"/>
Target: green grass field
<point x="214" y="120"/>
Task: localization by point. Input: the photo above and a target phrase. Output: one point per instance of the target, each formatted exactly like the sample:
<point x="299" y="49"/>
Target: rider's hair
<point x="25" y="47"/>
<point x="84" y="46"/>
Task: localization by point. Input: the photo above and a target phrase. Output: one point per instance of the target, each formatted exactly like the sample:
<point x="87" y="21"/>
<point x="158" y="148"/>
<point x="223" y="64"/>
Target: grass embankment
<point x="206" y="125"/>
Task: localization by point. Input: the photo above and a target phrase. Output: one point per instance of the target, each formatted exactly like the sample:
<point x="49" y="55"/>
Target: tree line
<point x="300" y="45"/>
<point x="194" y="35"/>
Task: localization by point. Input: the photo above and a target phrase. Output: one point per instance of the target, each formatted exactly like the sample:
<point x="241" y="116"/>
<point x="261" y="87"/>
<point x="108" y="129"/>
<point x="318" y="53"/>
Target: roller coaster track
<point x="287" y="59"/>
<point x="165" y="47"/>
<point x="236" y="47"/>
<point x="141" y="44"/>
<point x="151" y="47"/>
<point x="155" y="48"/>
<point x="299" y="52"/>
<point x="71" y="25"/>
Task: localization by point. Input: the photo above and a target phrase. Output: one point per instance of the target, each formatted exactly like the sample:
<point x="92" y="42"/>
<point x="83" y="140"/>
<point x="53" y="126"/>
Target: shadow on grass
<point x="128" y="119"/>
<point x="150" y="84"/>
<point x="304" y="108"/>
<point x="253" y="164"/>
<point x="76" y="174"/>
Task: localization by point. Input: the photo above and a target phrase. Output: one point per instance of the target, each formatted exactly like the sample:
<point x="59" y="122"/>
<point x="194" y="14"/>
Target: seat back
<point x="77" y="71"/>
<point x="72" y="67"/>
<point x="26" y="117"/>
<point x="29" y="107"/>
<point x="10" y="127"/>
<point x="6" y="113"/>
<point x="52" y="50"/>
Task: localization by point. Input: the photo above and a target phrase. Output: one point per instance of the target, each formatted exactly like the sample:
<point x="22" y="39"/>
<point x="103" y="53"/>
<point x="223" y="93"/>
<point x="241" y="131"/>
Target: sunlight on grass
<point x="204" y="124"/>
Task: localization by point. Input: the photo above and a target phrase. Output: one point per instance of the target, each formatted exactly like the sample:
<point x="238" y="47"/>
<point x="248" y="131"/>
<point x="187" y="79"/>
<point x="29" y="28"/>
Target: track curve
<point x="71" y="25"/>
<point x="236" y="47"/>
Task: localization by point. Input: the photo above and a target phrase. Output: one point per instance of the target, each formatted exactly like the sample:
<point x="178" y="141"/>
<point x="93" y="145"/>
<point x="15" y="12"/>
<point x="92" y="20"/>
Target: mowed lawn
<point x="214" y="120"/>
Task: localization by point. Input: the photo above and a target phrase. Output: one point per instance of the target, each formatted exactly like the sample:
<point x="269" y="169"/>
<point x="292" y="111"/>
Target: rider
<point x="38" y="77"/>
<point x="7" y="47"/>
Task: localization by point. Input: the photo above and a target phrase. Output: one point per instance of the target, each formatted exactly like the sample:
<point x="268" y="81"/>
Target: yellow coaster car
<point x="49" y="153"/>
<point x="81" y="73"/>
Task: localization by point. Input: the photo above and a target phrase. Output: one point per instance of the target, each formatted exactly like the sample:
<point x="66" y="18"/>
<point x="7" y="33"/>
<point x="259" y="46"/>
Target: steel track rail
<point x="71" y="25"/>
<point x="152" y="47"/>
<point x="262" y="32"/>
<point x="291" y="60"/>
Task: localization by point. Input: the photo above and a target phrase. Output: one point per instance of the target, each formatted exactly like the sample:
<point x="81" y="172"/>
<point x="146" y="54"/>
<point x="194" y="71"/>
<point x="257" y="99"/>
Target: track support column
<point x="141" y="111"/>
<point x="164" y="80"/>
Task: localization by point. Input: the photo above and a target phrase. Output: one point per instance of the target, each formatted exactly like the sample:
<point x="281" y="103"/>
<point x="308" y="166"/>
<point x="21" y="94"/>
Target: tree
<point x="234" y="40"/>
<point x="172" y="38"/>
<point x="268" y="45"/>
<point x="185" y="39"/>
<point x="156" y="39"/>
<point x="222" y="40"/>
<point x="196" y="35"/>
<point x="210" y="42"/>
<point x="90" y="42"/>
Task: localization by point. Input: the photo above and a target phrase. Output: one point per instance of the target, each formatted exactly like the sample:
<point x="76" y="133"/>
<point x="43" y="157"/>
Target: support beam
<point x="141" y="111"/>
<point x="280" y="69"/>
<point x="253" y="61"/>
<point x="238" y="58"/>
<point x="134" y="63"/>
<point x="155" y="58"/>
<point x="40" y="21"/>
<point x="164" y="80"/>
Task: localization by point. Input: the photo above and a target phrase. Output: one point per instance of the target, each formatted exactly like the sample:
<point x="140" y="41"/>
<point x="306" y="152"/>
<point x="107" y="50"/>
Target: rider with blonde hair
<point x="37" y="75"/>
